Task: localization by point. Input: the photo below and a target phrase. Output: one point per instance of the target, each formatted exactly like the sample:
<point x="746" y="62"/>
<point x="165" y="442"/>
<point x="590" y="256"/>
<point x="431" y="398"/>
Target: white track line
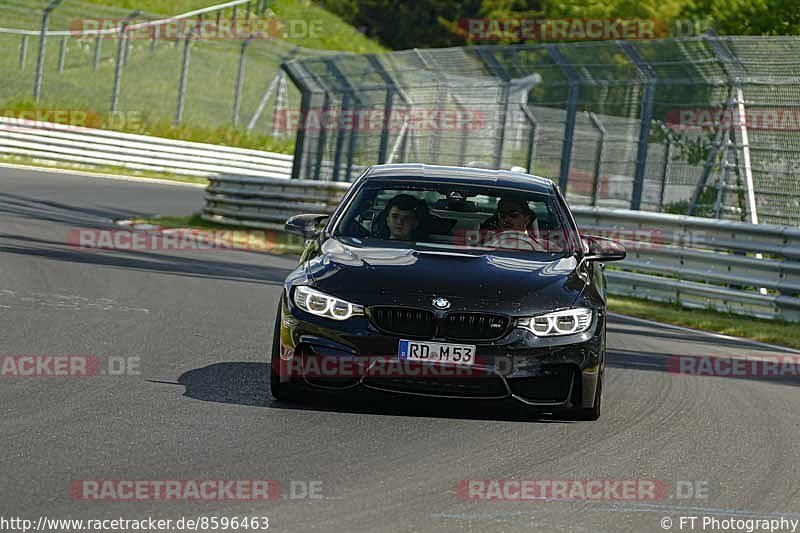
<point x="140" y="179"/>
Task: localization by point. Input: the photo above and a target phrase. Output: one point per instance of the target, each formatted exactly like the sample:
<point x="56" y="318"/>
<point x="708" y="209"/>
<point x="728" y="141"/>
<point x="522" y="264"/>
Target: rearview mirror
<point x="603" y="250"/>
<point x="305" y="225"/>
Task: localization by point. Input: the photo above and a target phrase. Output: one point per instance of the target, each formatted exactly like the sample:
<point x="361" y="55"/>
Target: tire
<point x="283" y="392"/>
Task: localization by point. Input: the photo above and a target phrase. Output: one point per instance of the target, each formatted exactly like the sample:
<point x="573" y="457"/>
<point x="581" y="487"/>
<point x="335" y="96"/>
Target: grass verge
<point x="770" y="331"/>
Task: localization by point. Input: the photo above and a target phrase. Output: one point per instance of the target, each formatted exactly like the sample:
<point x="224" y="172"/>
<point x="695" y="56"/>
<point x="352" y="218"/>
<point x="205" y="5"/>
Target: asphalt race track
<point x="201" y="324"/>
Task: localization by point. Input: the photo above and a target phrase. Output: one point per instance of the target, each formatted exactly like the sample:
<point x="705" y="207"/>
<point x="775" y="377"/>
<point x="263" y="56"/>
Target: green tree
<point x="747" y="17"/>
<point x="401" y="24"/>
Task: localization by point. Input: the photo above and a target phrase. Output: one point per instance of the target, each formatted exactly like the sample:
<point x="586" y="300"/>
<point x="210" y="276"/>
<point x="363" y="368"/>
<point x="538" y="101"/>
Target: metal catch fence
<point x="708" y="126"/>
<point x="118" y="63"/>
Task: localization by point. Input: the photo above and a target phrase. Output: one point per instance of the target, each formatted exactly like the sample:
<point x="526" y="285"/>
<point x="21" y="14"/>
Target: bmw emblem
<point x="441" y="303"/>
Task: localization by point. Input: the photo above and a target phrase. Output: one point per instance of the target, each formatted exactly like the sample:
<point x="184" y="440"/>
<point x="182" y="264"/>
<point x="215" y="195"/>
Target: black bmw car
<point x="447" y="282"/>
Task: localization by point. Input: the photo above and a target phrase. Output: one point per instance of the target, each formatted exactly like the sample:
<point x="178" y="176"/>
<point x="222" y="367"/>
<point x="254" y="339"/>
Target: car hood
<point x="471" y="282"/>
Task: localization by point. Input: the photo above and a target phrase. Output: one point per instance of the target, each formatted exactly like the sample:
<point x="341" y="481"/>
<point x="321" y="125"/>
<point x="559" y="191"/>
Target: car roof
<point x="464" y="175"/>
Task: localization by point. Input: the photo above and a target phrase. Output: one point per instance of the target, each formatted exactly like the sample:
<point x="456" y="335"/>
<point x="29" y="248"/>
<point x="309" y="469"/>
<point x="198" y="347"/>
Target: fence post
<point x="187" y="46"/>
<point x="664" y="172"/>
<point x="118" y="67"/>
<point x="533" y="138"/>
<point x="500" y="72"/>
<point x="351" y="150"/>
<point x="240" y="81"/>
<point x="97" y="51"/>
<point x="391" y="89"/>
<point x="340" y="134"/>
<point x="156" y="36"/>
<point x="37" y="84"/>
<point x="23" y="52"/>
<point x="598" y="157"/>
<point x="462" y="148"/>
<point x="62" y="54"/>
<point x="349" y="100"/>
<point x="305" y="103"/>
<point x="645" y="120"/>
<point x="127" y="55"/>
<point x="572" y="107"/>
<point x="321" y="138"/>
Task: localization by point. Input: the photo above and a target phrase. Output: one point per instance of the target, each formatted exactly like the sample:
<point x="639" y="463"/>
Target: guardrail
<point x="751" y="269"/>
<point x="62" y="143"/>
<point x="699" y="263"/>
<point x="267" y="203"/>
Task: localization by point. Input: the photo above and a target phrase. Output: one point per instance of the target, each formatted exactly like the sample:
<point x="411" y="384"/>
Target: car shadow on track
<point x="248" y="384"/>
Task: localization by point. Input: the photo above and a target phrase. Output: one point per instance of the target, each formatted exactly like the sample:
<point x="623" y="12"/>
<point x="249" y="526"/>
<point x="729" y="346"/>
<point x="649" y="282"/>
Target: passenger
<point x="402" y="219"/>
<point x="513" y="214"/>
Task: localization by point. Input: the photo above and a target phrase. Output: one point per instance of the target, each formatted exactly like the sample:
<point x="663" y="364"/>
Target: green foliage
<point x="400" y="25"/>
<point x="704" y="205"/>
<point x="691" y="149"/>
<point x="651" y="9"/>
<point x="434" y="23"/>
<point x="747" y="17"/>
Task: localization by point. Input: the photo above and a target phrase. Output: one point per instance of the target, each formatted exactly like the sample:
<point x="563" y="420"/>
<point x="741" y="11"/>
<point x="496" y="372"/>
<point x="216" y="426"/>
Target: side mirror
<point x="603" y="250"/>
<point x="305" y="225"/>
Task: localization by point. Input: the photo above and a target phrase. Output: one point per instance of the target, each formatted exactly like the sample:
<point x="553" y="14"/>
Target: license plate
<point x="436" y="352"/>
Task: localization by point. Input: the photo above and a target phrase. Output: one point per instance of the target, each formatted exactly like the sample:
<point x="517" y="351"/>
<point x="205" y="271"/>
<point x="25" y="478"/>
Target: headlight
<point x="565" y="322"/>
<point x="320" y="304"/>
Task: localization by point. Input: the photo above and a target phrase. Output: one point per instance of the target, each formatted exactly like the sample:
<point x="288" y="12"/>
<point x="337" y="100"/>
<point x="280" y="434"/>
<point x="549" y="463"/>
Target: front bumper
<point x="345" y="355"/>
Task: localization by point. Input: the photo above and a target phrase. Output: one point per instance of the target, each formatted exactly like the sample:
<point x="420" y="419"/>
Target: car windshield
<point x="463" y="217"/>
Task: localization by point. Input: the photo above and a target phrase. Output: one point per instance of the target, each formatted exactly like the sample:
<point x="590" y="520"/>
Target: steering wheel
<point x="513" y="240"/>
